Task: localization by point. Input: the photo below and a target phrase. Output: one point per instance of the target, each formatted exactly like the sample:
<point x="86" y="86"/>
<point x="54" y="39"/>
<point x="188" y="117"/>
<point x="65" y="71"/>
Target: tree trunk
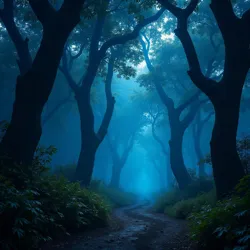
<point x="85" y="166"/>
<point x="116" y="175"/>
<point x="176" y="157"/>
<point x="198" y="151"/>
<point x="33" y="90"/>
<point x="169" y="173"/>
<point x="90" y="142"/>
<point x="227" y="167"/>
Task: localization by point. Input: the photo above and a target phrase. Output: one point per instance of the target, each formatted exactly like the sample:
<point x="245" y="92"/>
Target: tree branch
<point x="127" y="150"/>
<point x="191" y="113"/>
<point x="24" y="60"/>
<point x="97" y="35"/>
<point x="42" y="9"/>
<point x="206" y="85"/>
<point x="56" y="108"/>
<point x="168" y="102"/>
<point x="113" y="149"/>
<point x="110" y="100"/>
<point x="225" y="17"/>
<point x="65" y="70"/>
<point x="207" y="118"/>
<point x="163" y="148"/>
<point x="147" y="40"/>
<point x="189" y="101"/>
<point x="130" y="36"/>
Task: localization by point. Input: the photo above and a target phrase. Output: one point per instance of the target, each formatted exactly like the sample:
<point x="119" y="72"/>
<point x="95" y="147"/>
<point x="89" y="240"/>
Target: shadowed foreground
<point x="132" y="228"/>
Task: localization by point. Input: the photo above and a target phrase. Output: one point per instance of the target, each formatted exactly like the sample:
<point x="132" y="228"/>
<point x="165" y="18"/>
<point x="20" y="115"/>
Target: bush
<point x="227" y="224"/>
<point x="36" y="206"/>
<point x="67" y="171"/>
<point x="167" y="199"/>
<point x="182" y="209"/>
<point x="115" y="197"/>
<point x="197" y="187"/>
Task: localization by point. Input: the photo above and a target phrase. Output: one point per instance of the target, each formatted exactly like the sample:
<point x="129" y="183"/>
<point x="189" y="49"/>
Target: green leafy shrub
<point x="182" y="209"/>
<point x="197" y="187"/>
<point x="36" y="206"/>
<point x="116" y="197"/>
<point x="167" y="199"/>
<point x="227" y="224"/>
<point x="67" y="170"/>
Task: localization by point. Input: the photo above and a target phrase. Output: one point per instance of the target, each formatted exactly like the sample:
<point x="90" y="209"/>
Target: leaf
<point x="242" y="213"/>
<point x="18" y="231"/>
<point x="21" y="221"/>
<point x="244" y="239"/>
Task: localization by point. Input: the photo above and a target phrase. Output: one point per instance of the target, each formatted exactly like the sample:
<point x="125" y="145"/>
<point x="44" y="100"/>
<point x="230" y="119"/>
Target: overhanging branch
<point x="130" y="36"/>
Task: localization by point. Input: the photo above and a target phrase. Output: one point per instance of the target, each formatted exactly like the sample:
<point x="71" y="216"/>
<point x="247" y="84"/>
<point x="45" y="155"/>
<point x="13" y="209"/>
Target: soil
<point x="131" y="228"/>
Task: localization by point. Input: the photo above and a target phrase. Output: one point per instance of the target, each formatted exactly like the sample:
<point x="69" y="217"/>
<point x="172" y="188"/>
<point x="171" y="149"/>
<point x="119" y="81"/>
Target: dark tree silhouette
<point x="119" y="161"/>
<point x="34" y="87"/>
<point x="91" y="139"/>
<point x="197" y="129"/>
<point x="225" y="94"/>
<point x="24" y="60"/>
<point x="177" y="126"/>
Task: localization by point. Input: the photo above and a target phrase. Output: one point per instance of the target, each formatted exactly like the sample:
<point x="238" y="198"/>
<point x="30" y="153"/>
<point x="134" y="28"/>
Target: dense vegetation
<point x="213" y="224"/>
<point x="131" y="91"/>
<point x="38" y="206"/>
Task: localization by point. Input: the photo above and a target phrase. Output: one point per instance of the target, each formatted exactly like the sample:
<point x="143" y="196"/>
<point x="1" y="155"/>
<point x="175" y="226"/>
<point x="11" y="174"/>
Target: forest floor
<point x="131" y="228"/>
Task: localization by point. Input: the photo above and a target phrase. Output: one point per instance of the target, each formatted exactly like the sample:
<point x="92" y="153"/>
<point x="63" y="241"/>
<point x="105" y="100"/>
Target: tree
<point x="91" y="139"/>
<point x="34" y="87"/>
<point x="225" y="94"/>
<point x="197" y="132"/>
<point x="24" y="60"/>
<point x="155" y="117"/>
<point x="121" y="141"/>
<point x="119" y="160"/>
<point x="177" y="126"/>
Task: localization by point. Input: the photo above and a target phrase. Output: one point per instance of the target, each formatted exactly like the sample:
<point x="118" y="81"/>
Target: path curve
<point x="132" y="228"/>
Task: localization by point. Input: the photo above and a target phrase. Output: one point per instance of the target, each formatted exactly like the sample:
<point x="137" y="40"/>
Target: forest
<point x="124" y="124"/>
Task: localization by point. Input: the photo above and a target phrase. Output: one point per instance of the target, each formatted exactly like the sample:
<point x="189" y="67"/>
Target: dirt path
<point x="132" y="228"/>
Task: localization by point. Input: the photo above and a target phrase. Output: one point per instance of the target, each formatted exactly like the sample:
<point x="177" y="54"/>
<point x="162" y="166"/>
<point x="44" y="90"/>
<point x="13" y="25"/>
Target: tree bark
<point x="177" y="126"/>
<point x="225" y="94"/>
<point x="90" y="139"/>
<point x="116" y="175"/>
<point x="197" y="132"/>
<point x="227" y="167"/>
<point x="96" y="55"/>
<point x="24" y="60"/>
<point x="199" y="156"/>
<point x="34" y="87"/>
<point x="176" y="156"/>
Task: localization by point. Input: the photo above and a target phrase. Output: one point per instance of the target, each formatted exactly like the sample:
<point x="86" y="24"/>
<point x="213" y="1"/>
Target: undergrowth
<point x="114" y="196"/>
<point x="227" y="224"/>
<point x="180" y="204"/>
<point x="36" y="206"/>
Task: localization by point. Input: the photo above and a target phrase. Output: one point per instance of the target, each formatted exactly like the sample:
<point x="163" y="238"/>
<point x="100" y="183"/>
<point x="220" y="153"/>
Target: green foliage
<point x="116" y="197"/>
<point x="169" y="199"/>
<point x="182" y="209"/>
<point x="37" y="206"/>
<point x="227" y="224"/>
<point x="67" y="170"/>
